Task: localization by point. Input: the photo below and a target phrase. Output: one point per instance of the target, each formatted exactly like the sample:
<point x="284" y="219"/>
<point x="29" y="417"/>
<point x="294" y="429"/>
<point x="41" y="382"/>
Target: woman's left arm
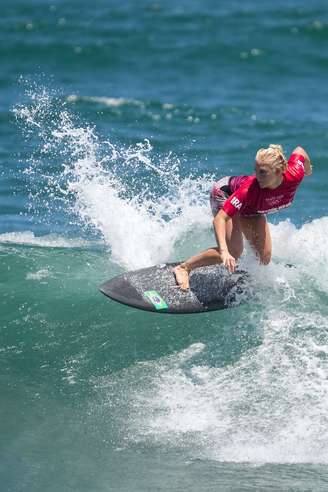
<point x="307" y="162"/>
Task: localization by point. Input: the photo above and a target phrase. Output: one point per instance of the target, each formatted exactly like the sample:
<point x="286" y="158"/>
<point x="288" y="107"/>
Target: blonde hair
<point x="274" y="156"/>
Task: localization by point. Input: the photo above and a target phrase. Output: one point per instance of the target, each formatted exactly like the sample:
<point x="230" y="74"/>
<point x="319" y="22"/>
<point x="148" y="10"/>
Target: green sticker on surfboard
<point x="156" y="300"/>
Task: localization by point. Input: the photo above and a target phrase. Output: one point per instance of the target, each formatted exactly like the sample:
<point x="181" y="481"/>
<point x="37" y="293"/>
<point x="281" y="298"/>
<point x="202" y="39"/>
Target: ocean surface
<point x="115" y="119"/>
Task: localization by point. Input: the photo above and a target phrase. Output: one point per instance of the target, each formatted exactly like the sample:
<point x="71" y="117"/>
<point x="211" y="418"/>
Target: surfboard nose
<point x="120" y="289"/>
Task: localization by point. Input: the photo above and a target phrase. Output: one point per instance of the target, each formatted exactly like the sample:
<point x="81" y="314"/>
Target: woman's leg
<point x="257" y="232"/>
<point x="211" y="256"/>
<point x="234" y="237"/>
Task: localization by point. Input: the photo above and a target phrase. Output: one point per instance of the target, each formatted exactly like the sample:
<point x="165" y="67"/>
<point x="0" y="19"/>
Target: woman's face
<point x="266" y="175"/>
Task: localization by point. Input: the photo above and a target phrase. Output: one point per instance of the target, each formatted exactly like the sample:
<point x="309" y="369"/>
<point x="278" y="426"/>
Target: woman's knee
<point x="236" y="251"/>
<point x="265" y="257"/>
<point x="258" y="234"/>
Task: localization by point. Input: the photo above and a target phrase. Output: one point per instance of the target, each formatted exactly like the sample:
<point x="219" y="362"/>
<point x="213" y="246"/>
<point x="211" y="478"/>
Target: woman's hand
<point x="228" y="260"/>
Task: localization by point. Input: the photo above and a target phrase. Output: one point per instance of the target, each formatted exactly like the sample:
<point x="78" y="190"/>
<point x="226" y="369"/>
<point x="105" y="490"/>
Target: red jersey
<point x="249" y="199"/>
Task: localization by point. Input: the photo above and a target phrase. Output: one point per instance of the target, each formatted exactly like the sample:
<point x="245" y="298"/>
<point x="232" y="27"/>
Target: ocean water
<point x="114" y="121"/>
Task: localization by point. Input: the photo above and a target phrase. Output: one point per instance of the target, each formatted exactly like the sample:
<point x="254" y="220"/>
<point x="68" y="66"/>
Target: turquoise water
<point x="114" y="121"/>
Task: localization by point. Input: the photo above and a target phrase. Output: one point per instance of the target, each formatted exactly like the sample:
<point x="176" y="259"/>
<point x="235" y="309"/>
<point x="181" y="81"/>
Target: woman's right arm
<point x="220" y="227"/>
<point x="307" y="161"/>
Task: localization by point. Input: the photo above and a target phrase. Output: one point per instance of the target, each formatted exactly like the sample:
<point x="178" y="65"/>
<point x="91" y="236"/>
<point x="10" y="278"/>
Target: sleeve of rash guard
<point x="235" y="202"/>
<point x="295" y="169"/>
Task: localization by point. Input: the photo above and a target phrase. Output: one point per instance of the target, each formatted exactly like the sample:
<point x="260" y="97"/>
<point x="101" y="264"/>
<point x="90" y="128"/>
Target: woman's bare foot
<point x="182" y="276"/>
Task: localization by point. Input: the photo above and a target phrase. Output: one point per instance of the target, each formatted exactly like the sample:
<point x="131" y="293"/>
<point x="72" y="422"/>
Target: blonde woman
<point x="240" y="204"/>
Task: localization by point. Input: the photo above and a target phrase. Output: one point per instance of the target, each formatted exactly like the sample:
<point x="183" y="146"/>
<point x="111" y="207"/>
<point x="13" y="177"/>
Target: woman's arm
<point x="220" y="227"/>
<point x="307" y="161"/>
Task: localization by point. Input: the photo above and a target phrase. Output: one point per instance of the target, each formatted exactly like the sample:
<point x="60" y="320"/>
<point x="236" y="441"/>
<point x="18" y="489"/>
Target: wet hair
<point x="274" y="156"/>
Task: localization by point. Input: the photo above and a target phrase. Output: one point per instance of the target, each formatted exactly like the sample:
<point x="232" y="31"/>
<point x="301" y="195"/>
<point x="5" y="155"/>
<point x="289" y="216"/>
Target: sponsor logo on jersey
<point x="274" y="199"/>
<point x="236" y="203"/>
<point x="275" y="209"/>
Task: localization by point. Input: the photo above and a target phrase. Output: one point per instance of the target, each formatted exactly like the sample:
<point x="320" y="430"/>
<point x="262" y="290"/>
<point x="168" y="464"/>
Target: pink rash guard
<point x="249" y="199"/>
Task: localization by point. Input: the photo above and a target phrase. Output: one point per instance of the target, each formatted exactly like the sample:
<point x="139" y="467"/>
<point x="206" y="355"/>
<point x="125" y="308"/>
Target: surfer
<point x="240" y="204"/>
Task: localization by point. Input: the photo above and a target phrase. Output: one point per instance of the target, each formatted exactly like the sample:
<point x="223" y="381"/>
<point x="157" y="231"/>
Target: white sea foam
<point x="106" y="101"/>
<point x="115" y="189"/>
<point x="140" y="227"/>
<point x="39" y="275"/>
<point x="46" y="241"/>
<point x="270" y="406"/>
<point x="138" y="233"/>
<point x="305" y="247"/>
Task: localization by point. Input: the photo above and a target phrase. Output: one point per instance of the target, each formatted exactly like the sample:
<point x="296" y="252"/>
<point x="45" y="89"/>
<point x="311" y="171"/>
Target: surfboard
<point x="155" y="289"/>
